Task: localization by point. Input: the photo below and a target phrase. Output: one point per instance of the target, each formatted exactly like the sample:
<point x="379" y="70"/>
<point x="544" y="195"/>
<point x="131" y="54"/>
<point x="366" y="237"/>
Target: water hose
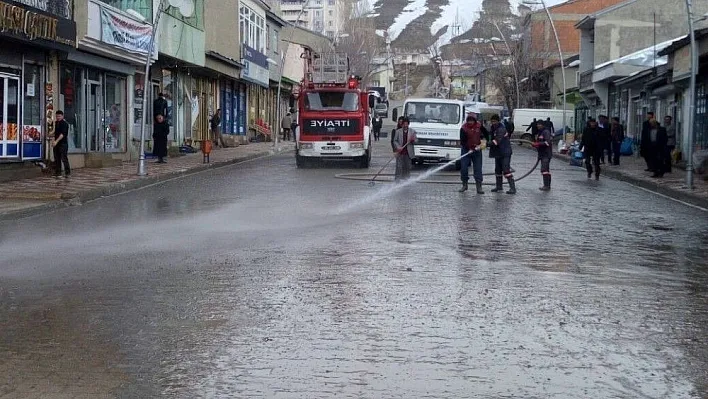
<point x="363" y="176"/>
<point x="372" y="182"/>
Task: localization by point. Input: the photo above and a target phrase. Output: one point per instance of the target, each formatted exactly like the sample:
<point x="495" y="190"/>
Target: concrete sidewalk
<point x="26" y="197"/>
<point x="631" y="170"/>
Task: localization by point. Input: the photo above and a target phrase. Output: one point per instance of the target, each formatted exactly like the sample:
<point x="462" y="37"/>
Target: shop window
<point x="197" y="18"/>
<point x="70" y="101"/>
<point x="114" y="113"/>
<point x="32" y="113"/>
<point x="143" y="7"/>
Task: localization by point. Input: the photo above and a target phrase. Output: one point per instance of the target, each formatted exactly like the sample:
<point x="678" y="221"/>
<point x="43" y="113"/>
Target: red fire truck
<point x="333" y="113"/>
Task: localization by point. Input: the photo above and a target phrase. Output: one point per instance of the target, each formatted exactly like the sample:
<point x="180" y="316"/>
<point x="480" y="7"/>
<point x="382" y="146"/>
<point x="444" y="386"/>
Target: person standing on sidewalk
<point x="603" y="128"/>
<point x="670" y="142"/>
<point x="657" y="140"/>
<point x="501" y="152"/>
<point x="403" y="147"/>
<point x="160" y="131"/>
<point x="60" y="145"/>
<point x="544" y="146"/>
<point x="591" y="146"/>
<point x="617" y="136"/>
<point x="393" y="132"/>
<point x="216" y="134"/>
<point x="377" y="125"/>
<point x="645" y="146"/>
<point x="286" y="125"/>
<point x="470" y="142"/>
<point x="159" y="106"/>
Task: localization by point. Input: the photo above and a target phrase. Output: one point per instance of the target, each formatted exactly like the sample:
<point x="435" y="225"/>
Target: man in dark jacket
<point x="657" y="148"/>
<point x="670" y="142"/>
<point x="645" y="147"/>
<point x="544" y="146"/>
<point x="549" y="125"/>
<point x="470" y="143"/>
<point x="617" y="137"/>
<point x="393" y="132"/>
<point x="159" y="106"/>
<point x="533" y="127"/>
<point x="501" y="152"/>
<point x="60" y="145"/>
<point x="603" y="128"/>
<point x="160" y="131"/>
<point x="592" y="146"/>
<point x="376" y="125"/>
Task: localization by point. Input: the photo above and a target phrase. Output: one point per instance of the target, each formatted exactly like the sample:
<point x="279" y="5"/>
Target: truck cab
<point x="437" y="123"/>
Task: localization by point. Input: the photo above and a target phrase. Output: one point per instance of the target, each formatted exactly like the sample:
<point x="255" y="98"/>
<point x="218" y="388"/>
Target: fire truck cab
<point x="333" y="113"/>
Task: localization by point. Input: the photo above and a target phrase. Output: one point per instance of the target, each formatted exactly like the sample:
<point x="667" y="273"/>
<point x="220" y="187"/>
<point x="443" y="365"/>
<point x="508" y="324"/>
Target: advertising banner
<point x="124" y="32"/>
<point x="256" y="66"/>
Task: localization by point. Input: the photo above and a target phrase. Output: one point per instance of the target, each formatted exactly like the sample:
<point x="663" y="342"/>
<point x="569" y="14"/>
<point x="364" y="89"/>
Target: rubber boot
<point x="597" y="173"/>
<point x="500" y="185"/>
<point x="512" y="186"/>
<point x="464" y="187"/>
<point x="546" y="183"/>
<point x="478" y="184"/>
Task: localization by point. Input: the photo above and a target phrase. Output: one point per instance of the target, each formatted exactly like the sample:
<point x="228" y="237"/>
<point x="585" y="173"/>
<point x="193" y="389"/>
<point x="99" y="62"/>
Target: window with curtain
<point x="144" y="7"/>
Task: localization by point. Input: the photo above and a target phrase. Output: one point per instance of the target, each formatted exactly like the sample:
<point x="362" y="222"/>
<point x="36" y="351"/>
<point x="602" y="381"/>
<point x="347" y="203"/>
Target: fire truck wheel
<point x="301" y="162"/>
<point x="365" y="160"/>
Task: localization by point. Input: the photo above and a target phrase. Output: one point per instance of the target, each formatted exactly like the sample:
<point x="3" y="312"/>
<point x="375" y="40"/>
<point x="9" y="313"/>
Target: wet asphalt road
<point x="245" y="282"/>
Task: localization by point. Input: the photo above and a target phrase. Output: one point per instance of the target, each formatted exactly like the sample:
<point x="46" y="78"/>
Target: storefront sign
<point x="124" y="32"/>
<point x="59" y="8"/>
<point x="256" y="66"/>
<point x="30" y="24"/>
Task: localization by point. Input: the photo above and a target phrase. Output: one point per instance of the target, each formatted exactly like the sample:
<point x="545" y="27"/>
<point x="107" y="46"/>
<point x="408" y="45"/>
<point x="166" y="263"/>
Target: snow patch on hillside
<point x="411" y="12"/>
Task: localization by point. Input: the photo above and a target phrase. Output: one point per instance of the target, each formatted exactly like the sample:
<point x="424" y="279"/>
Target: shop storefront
<point x="95" y="105"/>
<point x="233" y="108"/>
<point x="258" y="94"/>
<point x="30" y="40"/>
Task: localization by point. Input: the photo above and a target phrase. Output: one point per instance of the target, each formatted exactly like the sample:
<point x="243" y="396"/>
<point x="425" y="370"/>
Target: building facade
<point x="321" y="16"/>
<point x="33" y="38"/>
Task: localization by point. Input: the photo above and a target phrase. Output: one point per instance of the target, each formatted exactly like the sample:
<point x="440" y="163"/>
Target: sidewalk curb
<point x="680" y="195"/>
<point x="119" y="188"/>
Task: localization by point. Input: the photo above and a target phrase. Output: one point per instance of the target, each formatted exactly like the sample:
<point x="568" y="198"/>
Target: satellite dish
<point x="185" y="7"/>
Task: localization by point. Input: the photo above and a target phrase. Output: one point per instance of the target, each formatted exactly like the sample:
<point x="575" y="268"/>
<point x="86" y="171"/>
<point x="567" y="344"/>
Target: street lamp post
<point x="688" y="133"/>
<point x="560" y="55"/>
<point x="141" y="163"/>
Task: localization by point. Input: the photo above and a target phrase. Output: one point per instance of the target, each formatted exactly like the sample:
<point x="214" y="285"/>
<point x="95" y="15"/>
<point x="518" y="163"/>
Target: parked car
<point x="381" y="109"/>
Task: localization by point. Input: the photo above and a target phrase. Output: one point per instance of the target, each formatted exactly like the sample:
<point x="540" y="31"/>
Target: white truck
<point x="523" y="117"/>
<point x="437" y="123"/>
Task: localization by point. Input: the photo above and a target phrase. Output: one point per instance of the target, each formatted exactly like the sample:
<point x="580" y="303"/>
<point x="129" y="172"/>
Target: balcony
<point x="585" y="81"/>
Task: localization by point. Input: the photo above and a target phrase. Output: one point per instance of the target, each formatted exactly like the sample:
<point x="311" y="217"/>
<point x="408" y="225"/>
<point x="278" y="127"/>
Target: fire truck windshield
<point x="332" y="101"/>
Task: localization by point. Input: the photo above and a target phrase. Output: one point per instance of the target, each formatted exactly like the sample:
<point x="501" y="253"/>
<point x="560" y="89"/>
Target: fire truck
<point x="333" y="112"/>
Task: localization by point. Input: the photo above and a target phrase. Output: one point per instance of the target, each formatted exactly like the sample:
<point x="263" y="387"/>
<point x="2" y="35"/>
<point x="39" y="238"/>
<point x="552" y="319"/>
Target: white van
<point x="523" y="117"/>
<point x="437" y="122"/>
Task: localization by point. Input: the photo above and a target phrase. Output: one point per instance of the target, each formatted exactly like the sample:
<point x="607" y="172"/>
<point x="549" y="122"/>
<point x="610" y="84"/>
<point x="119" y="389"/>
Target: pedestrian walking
<point x="377" y="125"/>
<point x="403" y="147"/>
<point x="60" y="145"/>
<point x="543" y="144"/>
<point x="399" y="124"/>
<point x="645" y="146"/>
<point x="159" y="106"/>
<point x="286" y="125"/>
<point x="160" y="131"/>
<point x="592" y="147"/>
<point x="603" y="127"/>
<point x="215" y="132"/>
<point x="501" y="151"/>
<point x="471" y="141"/>
<point x="509" y="125"/>
<point x="670" y="142"/>
<point x="657" y="148"/>
<point x="534" y="128"/>
<point x="551" y="128"/>
<point x="617" y="137"/>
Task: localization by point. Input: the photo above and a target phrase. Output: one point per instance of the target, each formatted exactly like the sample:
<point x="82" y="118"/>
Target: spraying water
<point x="396" y="187"/>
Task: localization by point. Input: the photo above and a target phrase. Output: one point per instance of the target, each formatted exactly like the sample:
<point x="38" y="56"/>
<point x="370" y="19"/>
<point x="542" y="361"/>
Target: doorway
<point x="9" y="116"/>
<point x="94" y="114"/>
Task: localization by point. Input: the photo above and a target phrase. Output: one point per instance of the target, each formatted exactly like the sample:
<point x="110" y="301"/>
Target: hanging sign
<point x="124" y="32"/>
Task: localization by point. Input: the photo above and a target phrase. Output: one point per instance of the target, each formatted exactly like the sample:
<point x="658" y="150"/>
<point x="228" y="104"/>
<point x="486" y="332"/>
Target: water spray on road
<point x="396" y="187"/>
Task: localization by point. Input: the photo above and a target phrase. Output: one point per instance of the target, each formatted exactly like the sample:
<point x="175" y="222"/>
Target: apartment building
<point x="320" y="16"/>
